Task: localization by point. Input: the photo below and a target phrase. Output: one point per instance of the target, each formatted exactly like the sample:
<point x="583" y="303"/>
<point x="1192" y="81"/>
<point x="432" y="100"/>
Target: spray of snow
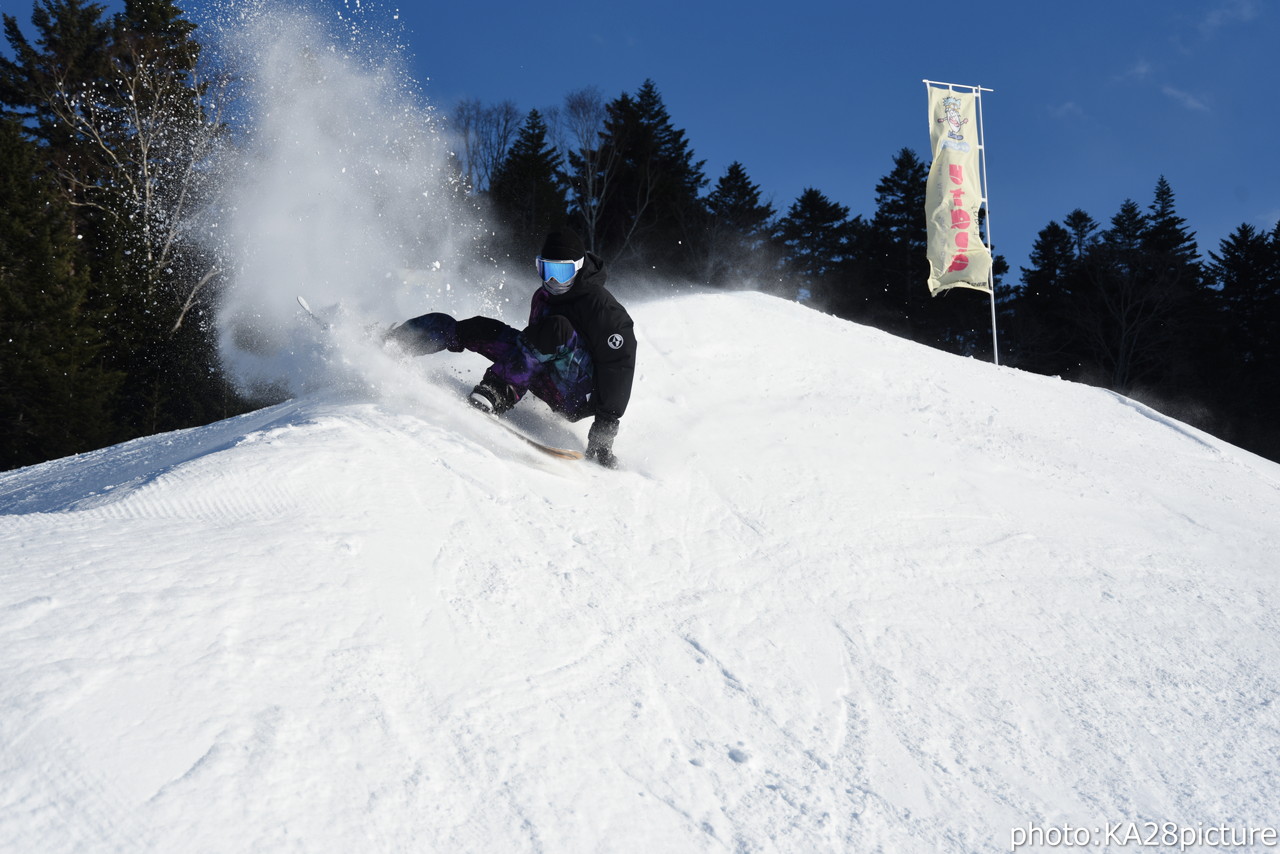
<point x="343" y="191"/>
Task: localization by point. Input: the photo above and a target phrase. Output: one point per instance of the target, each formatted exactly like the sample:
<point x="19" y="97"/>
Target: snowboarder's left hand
<point x="600" y="441"/>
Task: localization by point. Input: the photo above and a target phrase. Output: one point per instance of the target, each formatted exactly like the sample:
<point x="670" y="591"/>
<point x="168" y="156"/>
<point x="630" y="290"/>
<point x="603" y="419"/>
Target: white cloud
<point x="1066" y="111"/>
<point x="1140" y="70"/>
<point x="1186" y="99"/>
<point x="1229" y="12"/>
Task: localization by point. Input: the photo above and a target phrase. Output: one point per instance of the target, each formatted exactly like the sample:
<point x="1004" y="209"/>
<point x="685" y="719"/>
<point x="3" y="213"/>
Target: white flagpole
<point x="986" y="201"/>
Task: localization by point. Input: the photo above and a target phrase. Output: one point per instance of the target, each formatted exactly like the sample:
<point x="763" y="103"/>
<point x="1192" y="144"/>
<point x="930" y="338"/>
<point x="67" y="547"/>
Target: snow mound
<point x="846" y="594"/>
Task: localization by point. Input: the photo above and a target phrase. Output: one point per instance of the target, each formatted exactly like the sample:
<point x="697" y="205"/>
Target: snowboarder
<point x="577" y="353"/>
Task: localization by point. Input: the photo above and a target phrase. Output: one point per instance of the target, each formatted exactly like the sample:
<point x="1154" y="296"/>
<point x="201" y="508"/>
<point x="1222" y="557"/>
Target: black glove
<point x="600" y="441"/>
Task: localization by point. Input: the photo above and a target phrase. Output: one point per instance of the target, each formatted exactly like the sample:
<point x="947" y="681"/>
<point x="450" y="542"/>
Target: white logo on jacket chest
<point x="615" y="341"/>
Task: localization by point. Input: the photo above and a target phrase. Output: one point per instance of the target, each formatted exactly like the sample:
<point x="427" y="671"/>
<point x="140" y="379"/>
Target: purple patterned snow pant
<point x="546" y="358"/>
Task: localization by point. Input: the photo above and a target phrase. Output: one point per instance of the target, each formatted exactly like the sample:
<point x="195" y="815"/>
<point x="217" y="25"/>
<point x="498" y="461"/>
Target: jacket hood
<point x="590" y="277"/>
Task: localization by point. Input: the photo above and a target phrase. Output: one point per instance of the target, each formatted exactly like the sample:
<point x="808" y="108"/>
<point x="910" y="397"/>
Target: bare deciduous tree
<point x="485" y="133"/>
<point x="578" y="131"/>
<point x="144" y="137"/>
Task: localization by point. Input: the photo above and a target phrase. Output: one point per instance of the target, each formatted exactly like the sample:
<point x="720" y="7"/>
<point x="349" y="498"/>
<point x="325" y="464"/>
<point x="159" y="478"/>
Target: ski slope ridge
<point x="846" y="594"/>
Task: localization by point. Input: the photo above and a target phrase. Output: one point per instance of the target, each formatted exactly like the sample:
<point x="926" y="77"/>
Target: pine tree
<point x="1039" y="339"/>
<point x="54" y="391"/>
<point x="527" y="191"/>
<point x="1136" y="300"/>
<point x="71" y="52"/>
<point x="651" y="214"/>
<point x="1246" y="272"/>
<point x="1242" y="357"/>
<point x="1052" y="258"/>
<point x="1167" y="232"/>
<point x="1174" y="265"/>
<point x="897" y="267"/>
<point x="1124" y="239"/>
<point x="815" y="238"/>
<point x="1114" y="304"/>
<point x="1083" y="229"/>
<point x="738" y="229"/>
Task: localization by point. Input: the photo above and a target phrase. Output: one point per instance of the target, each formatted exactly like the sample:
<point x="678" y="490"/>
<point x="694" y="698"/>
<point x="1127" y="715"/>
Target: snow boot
<point x="493" y="396"/>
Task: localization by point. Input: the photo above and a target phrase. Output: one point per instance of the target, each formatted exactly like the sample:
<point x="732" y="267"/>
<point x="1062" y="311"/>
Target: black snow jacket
<point x="604" y="327"/>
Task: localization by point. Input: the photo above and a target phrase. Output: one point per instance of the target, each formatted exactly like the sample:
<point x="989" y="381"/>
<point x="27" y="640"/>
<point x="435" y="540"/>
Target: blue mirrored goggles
<point x="561" y="271"/>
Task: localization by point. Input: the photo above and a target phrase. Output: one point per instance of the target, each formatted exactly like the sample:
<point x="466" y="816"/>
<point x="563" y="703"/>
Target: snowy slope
<point x="848" y="594"/>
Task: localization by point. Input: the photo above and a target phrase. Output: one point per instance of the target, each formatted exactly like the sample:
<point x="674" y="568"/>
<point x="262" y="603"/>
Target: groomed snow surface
<point x="846" y="594"/>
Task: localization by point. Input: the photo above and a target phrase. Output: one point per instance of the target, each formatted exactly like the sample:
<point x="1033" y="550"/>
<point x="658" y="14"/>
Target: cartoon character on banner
<point x="951" y="108"/>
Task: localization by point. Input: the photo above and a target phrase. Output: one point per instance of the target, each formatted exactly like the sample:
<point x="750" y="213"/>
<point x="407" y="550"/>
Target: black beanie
<point x="563" y="244"/>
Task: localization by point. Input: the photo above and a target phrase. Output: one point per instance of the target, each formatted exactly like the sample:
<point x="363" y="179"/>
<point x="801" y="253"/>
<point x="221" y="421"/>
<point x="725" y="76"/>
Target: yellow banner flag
<point x="957" y="256"/>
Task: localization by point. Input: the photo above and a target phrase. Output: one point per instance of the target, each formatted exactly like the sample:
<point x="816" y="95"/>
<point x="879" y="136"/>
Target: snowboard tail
<point x="323" y="324"/>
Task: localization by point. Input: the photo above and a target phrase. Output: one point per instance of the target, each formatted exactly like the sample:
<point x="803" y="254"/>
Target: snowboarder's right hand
<point x="600" y="441"/>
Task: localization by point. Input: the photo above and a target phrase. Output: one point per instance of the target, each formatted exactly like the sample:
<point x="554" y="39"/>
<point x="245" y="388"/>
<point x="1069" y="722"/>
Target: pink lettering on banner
<point x="961" y="220"/>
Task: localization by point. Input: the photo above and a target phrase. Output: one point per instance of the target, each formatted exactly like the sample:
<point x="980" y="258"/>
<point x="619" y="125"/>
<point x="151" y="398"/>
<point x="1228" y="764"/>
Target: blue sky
<point x="1092" y="101"/>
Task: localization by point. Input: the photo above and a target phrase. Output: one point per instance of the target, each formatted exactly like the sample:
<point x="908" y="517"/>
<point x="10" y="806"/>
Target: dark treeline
<point x="1133" y="307"/>
<point x="106" y="301"/>
<point x="625" y="176"/>
<point x="105" y="317"/>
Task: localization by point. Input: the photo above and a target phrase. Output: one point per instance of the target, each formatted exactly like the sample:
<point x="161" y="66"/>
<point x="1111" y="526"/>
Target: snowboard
<point x="549" y="450"/>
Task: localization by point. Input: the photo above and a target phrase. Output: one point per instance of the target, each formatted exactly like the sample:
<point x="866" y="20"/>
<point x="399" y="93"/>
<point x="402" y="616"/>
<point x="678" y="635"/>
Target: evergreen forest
<point x="107" y="303"/>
